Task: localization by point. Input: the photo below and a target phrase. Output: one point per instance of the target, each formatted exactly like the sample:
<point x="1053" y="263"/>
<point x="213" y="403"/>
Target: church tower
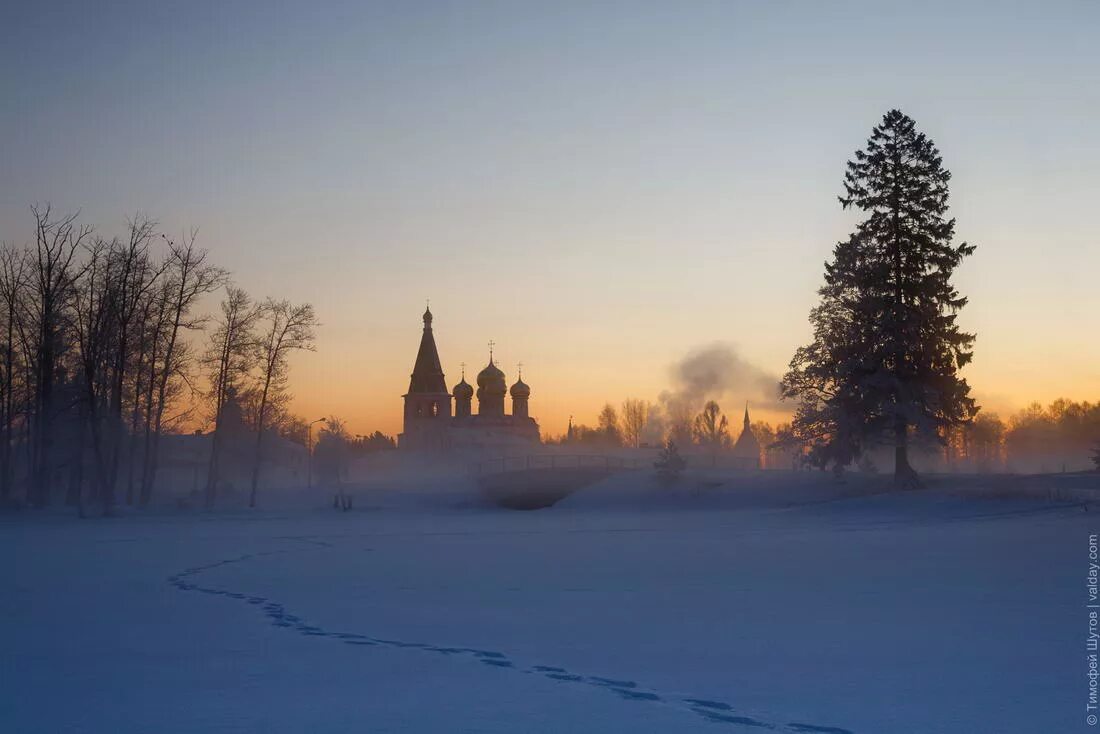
<point x="464" y="394"/>
<point x="491" y="389"/>
<point x="430" y="426"/>
<point x="521" y="393"/>
<point x="427" y="403"/>
<point x="747" y="446"/>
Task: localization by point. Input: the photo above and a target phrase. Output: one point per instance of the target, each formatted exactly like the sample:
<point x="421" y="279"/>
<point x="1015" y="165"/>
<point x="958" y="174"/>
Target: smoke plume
<point x="714" y="372"/>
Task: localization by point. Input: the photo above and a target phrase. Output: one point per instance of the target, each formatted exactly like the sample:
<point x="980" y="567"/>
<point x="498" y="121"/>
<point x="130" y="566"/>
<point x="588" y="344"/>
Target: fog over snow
<point x="775" y="602"/>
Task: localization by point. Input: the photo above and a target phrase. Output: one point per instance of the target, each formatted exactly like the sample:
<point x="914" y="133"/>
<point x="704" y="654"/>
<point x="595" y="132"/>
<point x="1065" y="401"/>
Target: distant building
<point x="185" y="457"/>
<point x="747" y="448"/>
<point x="430" y="424"/>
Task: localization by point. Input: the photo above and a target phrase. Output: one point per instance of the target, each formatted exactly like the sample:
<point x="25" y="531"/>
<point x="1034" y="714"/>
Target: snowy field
<point x="780" y="603"/>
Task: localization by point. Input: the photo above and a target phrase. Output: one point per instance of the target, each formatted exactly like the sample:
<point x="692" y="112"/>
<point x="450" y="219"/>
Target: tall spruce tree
<point x="883" y="364"/>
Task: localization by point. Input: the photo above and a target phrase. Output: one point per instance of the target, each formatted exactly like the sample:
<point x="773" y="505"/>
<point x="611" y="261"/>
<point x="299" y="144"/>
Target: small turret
<point x="520" y="394"/>
<point x="463" y="394"/>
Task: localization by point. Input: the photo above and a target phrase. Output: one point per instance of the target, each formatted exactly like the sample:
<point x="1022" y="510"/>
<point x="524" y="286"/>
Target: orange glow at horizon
<point x="366" y="391"/>
<point x="598" y="197"/>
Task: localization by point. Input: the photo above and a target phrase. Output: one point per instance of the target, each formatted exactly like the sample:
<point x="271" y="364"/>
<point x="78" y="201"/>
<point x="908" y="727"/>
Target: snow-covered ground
<point x="780" y="603"/>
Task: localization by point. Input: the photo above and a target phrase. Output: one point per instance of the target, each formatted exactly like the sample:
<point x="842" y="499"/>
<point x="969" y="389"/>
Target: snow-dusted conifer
<point x="669" y="464"/>
<point x="886" y="350"/>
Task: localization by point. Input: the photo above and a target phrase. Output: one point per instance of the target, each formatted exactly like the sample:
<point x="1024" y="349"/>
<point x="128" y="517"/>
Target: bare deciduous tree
<point x="634" y="416"/>
<point x="287" y="328"/>
<point x="189" y="277"/>
<point x="91" y="323"/>
<point x="711" y="428"/>
<point x="135" y="275"/>
<point x="609" y="425"/>
<point x="98" y="354"/>
<point x="231" y="355"/>
<point x="13" y="285"/>
<point x="52" y="276"/>
<point x="679" y="422"/>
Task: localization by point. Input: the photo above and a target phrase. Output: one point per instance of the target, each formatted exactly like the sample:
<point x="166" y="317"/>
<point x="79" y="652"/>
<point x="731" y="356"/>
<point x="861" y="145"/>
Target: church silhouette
<point x="433" y="424"/>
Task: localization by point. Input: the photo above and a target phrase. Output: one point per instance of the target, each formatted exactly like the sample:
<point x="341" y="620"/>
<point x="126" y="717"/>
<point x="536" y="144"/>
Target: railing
<point x="501" y="464"/>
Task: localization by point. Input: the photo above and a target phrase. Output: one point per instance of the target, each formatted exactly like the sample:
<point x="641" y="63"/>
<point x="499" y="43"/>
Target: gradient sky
<point x="598" y="187"/>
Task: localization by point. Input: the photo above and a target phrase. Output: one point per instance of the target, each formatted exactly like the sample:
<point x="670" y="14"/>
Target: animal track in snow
<point x="275" y="612"/>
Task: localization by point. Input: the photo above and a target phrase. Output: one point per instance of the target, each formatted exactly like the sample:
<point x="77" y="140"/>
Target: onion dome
<point x="491" y="379"/>
<point x="520" y="389"/>
<point x="463" y="390"/>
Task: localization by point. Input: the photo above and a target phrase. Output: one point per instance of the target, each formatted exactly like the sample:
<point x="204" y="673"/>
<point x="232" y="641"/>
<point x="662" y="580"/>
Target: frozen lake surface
<point x="778" y="604"/>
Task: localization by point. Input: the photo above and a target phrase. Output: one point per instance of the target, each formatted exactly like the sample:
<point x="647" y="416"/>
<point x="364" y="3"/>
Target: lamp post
<point x="309" y="451"/>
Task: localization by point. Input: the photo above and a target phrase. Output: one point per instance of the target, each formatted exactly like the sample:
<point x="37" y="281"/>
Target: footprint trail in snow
<point x="276" y="613"/>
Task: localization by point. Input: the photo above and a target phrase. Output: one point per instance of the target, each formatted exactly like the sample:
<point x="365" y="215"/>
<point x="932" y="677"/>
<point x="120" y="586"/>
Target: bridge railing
<point x="501" y="464"/>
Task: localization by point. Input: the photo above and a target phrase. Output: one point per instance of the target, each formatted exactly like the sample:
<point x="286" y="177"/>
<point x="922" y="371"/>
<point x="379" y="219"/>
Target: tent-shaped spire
<point x="747" y="445"/>
<point x="427" y="374"/>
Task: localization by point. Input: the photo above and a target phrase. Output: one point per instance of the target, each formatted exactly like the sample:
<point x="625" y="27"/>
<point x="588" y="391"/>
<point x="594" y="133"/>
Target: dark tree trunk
<point x="215" y="440"/>
<point x="904" y="474"/>
<point x="259" y="439"/>
<point x="38" y="490"/>
<point x="256" y="466"/>
<point x="147" y="432"/>
<point x="8" y="410"/>
<point x="74" y="495"/>
<point x="213" y="468"/>
<point x="149" y="473"/>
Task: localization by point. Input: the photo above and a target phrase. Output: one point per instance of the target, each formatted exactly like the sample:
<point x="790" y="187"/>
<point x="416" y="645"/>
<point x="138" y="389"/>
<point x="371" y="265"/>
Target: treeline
<point x="1065" y="435"/>
<point x="105" y="350"/>
<point x="638" y="423"/>
<point x="1062" y="435"/>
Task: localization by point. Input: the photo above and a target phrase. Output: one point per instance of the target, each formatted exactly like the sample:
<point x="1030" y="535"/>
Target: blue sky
<point x="598" y="187"/>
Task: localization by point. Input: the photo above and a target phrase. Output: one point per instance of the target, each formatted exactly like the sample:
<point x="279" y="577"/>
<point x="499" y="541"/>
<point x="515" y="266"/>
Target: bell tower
<point x="491" y="389"/>
<point x="427" y="403"/>
<point x="521" y="393"/>
<point x="463" y="394"/>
